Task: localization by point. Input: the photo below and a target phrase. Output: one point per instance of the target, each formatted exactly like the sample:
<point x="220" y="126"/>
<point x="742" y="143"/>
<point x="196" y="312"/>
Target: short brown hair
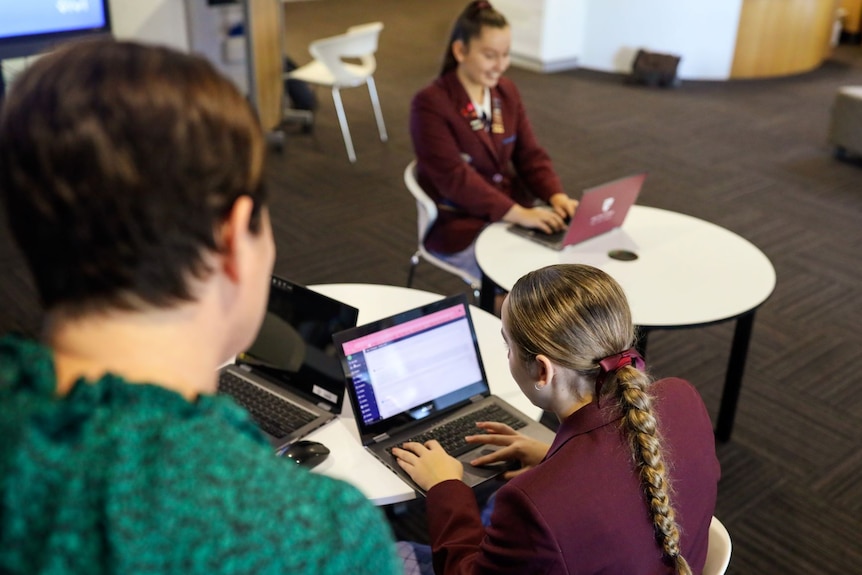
<point x="117" y="163"/>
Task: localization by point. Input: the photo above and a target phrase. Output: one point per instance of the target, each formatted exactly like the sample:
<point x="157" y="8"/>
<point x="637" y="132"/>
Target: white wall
<point x="154" y="21"/>
<point x="546" y="35"/>
<point x="564" y="30"/>
<point x="187" y="25"/>
<point x="208" y="36"/>
<point x="526" y="18"/>
<point x="604" y="35"/>
<point x="703" y="33"/>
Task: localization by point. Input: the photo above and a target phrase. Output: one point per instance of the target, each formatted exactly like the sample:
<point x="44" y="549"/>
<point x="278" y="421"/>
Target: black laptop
<point x="418" y="375"/>
<point x="290" y="379"/>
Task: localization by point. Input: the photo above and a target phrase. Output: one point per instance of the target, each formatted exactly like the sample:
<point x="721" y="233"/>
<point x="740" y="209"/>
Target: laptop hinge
<point x="245" y="367"/>
<point x="381" y="437"/>
<point x="324" y="406"/>
<point x="477" y="398"/>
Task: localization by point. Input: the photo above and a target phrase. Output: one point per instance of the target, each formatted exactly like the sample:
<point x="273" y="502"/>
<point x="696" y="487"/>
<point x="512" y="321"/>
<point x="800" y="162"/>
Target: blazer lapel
<point x="498" y="127"/>
<point x="490" y="142"/>
<point x="470" y="115"/>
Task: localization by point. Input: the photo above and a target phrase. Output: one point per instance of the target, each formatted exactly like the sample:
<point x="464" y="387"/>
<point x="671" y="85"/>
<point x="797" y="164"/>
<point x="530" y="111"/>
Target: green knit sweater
<point x="132" y="478"/>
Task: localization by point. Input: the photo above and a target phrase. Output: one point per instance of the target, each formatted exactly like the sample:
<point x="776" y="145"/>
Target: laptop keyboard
<point x="451" y="435"/>
<point x="553" y="236"/>
<point x="274" y="415"/>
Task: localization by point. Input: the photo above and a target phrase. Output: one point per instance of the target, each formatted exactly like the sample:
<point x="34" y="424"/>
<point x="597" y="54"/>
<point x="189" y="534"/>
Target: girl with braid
<point x="628" y="485"/>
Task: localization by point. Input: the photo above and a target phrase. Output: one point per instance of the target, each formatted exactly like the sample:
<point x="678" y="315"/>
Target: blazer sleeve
<point x="531" y="161"/>
<point x="439" y="142"/>
<point x="517" y="541"/>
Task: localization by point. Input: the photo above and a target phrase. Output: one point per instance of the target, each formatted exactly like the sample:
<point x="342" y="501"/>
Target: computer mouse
<point x="306" y="453"/>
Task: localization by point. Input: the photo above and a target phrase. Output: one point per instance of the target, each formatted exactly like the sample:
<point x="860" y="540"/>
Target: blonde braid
<point x="577" y="314"/>
<point x="645" y="441"/>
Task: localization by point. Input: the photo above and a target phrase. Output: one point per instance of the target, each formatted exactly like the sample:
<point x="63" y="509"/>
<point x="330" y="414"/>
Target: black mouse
<point x="306" y="453"/>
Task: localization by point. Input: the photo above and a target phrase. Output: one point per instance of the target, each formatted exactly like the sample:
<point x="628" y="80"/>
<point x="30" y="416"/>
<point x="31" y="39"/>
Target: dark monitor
<point x="32" y="26"/>
<point x="294" y="345"/>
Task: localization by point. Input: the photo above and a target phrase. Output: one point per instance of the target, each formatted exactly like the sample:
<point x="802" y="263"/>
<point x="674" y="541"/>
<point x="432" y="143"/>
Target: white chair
<point x="329" y="69"/>
<point x="845" y="124"/>
<point x="426" y="211"/>
<point x="718" y="553"/>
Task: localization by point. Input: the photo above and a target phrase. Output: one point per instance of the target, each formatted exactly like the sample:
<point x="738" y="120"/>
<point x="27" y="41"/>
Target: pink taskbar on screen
<point x="397" y="332"/>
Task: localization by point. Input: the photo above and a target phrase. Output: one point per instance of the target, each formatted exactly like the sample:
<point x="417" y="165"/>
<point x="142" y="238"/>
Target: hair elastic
<point x="612" y="363"/>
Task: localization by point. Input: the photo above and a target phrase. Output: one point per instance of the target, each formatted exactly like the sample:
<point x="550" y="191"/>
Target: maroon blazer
<point x="582" y="510"/>
<point x="474" y="175"/>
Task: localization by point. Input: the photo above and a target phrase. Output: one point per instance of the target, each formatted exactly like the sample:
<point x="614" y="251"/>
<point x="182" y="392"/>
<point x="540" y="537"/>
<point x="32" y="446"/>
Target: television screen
<point x="31" y="26"/>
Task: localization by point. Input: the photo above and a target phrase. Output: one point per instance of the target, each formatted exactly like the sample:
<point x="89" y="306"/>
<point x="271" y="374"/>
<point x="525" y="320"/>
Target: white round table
<point x="687" y="272"/>
<point x="348" y="459"/>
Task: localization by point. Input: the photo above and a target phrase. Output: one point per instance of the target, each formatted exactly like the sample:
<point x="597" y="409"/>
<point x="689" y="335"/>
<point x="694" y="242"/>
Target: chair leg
<point x="477" y="295"/>
<point x="342" y="119"/>
<point x="414" y="261"/>
<point x="378" y="113"/>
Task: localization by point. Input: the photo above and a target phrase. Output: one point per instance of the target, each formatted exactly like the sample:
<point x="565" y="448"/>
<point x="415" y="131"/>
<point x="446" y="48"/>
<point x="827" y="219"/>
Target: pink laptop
<point x="601" y="209"/>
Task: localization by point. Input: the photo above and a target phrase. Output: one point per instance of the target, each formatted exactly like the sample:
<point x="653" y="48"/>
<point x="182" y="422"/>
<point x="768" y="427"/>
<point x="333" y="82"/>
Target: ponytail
<point x="578" y="316"/>
<point x="477" y="15"/>
<point x="645" y="442"/>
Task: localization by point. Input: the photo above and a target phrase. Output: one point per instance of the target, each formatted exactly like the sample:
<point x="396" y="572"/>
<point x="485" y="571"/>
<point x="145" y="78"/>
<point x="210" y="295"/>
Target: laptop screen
<point x="412" y="365"/>
<point x="294" y="346"/>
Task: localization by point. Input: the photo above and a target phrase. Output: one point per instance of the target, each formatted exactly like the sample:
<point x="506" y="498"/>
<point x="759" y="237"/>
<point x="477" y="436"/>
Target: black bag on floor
<point x="300" y="93"/>
<point x="654" y="69"/>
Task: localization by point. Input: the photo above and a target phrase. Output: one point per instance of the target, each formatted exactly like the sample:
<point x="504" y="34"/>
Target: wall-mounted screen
<point x="32" y="26"/>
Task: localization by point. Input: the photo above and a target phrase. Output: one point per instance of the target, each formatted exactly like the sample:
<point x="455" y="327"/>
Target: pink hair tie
<point x="612" y="363"/>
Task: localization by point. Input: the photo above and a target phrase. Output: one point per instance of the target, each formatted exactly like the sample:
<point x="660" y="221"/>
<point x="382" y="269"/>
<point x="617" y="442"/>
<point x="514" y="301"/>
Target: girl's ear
<point x="459" y="50"/>
<point x="543" y="369"/>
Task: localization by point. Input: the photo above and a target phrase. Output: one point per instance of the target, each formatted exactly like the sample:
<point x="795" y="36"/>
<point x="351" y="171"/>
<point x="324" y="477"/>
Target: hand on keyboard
<point x="428" y="464"/>
<point x="537" y="218"/>
<point x="451" y="435"/>
<point x="515" y="447"/>
<point x="428" y="457"/>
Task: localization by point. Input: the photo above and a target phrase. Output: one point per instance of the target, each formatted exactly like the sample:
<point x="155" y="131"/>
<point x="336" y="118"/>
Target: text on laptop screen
<point x="419" y="367"/>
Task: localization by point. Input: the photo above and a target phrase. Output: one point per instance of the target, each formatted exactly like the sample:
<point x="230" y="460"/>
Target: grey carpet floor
<point x="750" y="156"/>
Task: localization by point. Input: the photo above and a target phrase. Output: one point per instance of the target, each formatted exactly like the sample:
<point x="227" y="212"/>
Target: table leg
<point x="486" y="298"/>
<point x="733" y="379"/>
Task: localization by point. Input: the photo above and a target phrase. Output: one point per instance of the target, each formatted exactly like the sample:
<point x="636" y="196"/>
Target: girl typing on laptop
<point x="628" y="484"/>
<point x="476" y="153"/>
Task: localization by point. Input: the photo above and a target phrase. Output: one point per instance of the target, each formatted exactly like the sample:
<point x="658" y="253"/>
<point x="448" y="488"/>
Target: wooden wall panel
<point x="782" y="37"/>
<point x="853" y="20"/>
<point x="266" y="88"/>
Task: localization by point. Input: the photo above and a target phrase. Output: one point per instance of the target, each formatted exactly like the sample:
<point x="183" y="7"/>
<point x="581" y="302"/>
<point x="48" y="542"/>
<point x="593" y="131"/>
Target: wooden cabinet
<point x="266" y="86"/>
<point x="782" y="37"/>
<point x="853" y="15"/>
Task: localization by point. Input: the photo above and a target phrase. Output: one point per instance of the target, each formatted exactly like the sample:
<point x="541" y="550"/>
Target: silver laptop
<point x="290" y="379"/>
<point x="601" y="209"/>
<point x="418" y="375"/>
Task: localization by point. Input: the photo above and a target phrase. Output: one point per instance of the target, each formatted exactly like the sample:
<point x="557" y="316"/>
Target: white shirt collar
<point x="485" y="106"/>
